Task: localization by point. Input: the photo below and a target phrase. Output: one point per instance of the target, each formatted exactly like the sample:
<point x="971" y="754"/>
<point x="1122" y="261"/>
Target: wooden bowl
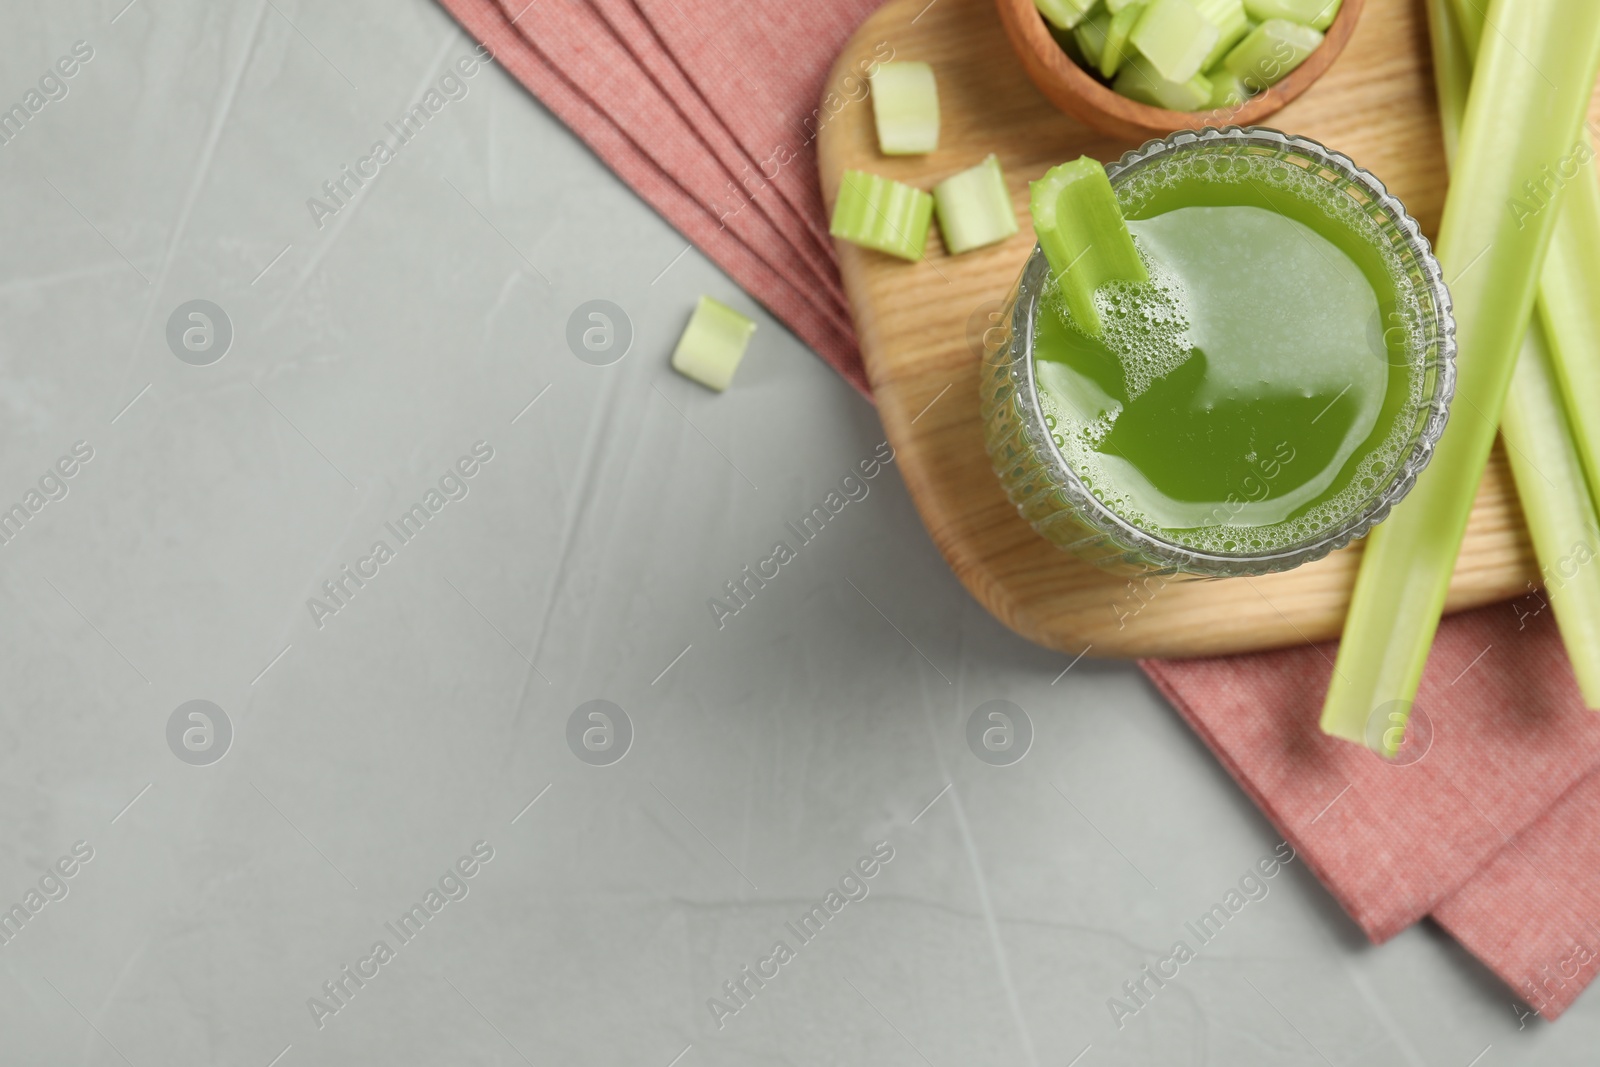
<point x="1078" y="93"/>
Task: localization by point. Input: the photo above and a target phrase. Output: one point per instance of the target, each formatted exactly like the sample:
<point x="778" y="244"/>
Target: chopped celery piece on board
<point x="1175" y="38"/>
<point x="1318" y="14"/>
<point x="712" y="344"/>
<point x="1064" y="14"/>
<point x="885" y="215"/>
<point x="905" y="107"/>
<point x="1229" y="17"/>
<point x="1091" y="37"/>
<point x="974" y="207"/>
<point x="1116" y="49"/>
<point x="1270" y="51"/>
<point x="1138" y="82"/>
<point x="1083" y="235"/>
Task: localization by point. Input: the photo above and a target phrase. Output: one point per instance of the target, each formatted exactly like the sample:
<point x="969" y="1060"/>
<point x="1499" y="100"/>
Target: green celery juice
<point x="1258" y="390"/>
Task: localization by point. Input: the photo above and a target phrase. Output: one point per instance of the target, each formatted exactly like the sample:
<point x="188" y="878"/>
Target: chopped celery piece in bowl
<point x="1091" y="36"/>
<point x="1138" y="82"/>
<point x="1064" y="14"/>
<point x="1270" y="51"/>
<point x="1175" y="38"/>
<point x="1117" y="33"/>
<point x="1318" y="14"/>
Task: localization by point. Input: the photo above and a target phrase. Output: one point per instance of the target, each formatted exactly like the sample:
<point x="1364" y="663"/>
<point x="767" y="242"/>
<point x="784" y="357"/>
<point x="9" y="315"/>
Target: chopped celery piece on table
<point x="974" y="207"/>
<point x="1270" y="51"/>
<point x="1083" y="236"/>
<point x="1229" y="17"/>
<point x="1318" y="14"/>
<point x="881" y="214"/>
<point x="1175" y="38"/>
<point x="712" y="344"/>
<point x="1138" y="82"/>
<point x="1091" y="37"/>
<point x="1064" y="14"/>
<point x="1116" y="47"/>
<point x="1531" y="87"/>
<point x="905" y="107"/>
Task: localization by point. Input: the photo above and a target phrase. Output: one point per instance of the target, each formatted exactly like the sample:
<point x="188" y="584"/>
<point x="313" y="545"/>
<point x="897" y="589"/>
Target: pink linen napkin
<point x="1488" y="822"/>
<point x="1494" y="830"/>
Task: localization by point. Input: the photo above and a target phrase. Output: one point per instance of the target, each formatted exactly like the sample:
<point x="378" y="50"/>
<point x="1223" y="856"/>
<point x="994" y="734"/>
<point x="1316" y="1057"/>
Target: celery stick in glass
<point x="1229" y="17"/>
<point x="974" y="207"/>
<point x="1138" y="82"/>
<point x="1091" y="37"/>
<point x="1083" y="236"/>
<point x="1318" y="14"/>
<point x="1117" y="47"/>
<point x="1270" y="51"/>
<point x="885" y="215"/>
<point x="1530" y="92"/>
<point x="905" y="107"/>
<point x="712" y="344"/>
<point x="1175" y="38"/>
<point x="1064" y="14"/>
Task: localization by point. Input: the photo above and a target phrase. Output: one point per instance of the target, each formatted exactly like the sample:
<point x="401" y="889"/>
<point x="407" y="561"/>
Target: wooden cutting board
<point x="920" y="324"/>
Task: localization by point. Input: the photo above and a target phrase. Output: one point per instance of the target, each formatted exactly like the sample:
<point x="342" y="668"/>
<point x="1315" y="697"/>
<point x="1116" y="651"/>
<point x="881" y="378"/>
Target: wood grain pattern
<point x="1066" y="85"/>
<point x="1375" y="104"/>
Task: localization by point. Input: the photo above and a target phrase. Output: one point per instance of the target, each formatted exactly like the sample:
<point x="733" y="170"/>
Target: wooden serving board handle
<point x="920" y="324"/>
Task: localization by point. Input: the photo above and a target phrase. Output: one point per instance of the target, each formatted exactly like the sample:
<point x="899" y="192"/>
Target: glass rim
<point x="1432" y="412"/>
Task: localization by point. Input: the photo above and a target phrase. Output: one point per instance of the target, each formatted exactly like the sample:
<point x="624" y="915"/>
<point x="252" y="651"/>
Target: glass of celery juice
<point x="1271" y="368"/>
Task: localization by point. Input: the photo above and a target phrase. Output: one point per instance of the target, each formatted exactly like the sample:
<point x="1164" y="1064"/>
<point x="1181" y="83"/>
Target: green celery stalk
<point x="1545" y="454"/>
<point x="1470" y="16"/>
<point x="1558" y="505"/>
<point x="1530" y="92"/>
<point x="1569" y="308"/>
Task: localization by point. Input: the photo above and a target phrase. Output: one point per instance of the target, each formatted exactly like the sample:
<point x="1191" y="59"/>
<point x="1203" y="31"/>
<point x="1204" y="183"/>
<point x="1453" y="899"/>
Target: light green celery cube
<point x="1270" y="51"/>
<point x="878" y="213"/>
<point x="974" y="207"/>
<point x="712" y="344"/>
<point x="1227" y="90"/>
<point x="1091" y="37"/>
<point x="1138" y="82"/>
<point x="1065" y="14"/>
<point x="1175" y="38"/>
<point x="905" y="107"/>
<point x="1116" y="6"/>
<point x="1229" y="17"/>
<point x="1318" y="14"/>
<point x="1117" y="47"/>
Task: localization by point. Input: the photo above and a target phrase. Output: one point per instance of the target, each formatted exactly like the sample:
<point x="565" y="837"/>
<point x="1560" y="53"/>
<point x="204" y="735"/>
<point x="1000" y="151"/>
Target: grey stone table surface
<point x="395" y="828"/>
